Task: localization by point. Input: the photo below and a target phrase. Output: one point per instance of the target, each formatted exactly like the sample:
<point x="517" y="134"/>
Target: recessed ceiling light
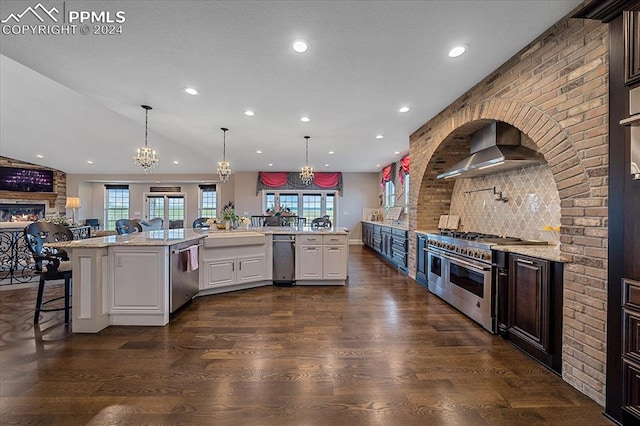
<point x="300" y="46"/>
<point x="377" y="165"/>
<point x="379" y="136"/>
<point x="397" y="152"/>
<point x="89" y="162"/>
<point x="331" y="152"/>
<point x="305" y="119"/>
<point x="40" y="156"/>
<point x="249" y="113"/>
<point x="176" y="162"/>
<point x="270" y="164"/>
<point x="404" y="109"/>
<point x="457" y="51"/>
<point x="258" y="152"/>
<point x="326" y="165"/>
<point x="191" y="91"/>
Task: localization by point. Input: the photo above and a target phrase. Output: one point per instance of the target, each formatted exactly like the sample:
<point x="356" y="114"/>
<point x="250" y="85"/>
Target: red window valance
<point x="387" y="174"/>
<point x="273" y="179"/>
<point x="291" y="180"/>
<point x="404" y="169"/>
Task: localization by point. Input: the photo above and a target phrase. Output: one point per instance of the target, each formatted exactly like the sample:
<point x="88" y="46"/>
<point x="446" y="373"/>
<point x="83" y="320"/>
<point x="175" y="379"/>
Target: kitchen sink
<point x="234" y="238"/>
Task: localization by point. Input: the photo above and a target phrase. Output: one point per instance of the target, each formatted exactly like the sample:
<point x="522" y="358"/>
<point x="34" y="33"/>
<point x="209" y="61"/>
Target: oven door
<point x="436" y="269"/>
<point x="470" y="289"/>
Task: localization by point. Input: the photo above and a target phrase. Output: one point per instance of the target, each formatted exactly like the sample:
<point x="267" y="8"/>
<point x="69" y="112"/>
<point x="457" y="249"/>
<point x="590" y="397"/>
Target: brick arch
<point x="551" y="139"/>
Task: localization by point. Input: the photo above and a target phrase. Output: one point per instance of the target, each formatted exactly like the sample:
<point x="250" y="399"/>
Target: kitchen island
<point x="126" y="279"/>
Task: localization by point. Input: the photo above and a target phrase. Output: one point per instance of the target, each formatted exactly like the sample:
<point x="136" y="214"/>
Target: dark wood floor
<point x="380" y="351"/>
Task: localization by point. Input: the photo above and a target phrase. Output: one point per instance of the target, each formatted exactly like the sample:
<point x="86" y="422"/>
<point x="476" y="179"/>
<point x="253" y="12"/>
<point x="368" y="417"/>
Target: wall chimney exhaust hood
<point x="494" y="148"/>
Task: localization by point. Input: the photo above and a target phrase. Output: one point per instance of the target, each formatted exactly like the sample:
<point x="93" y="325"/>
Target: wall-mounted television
<point x="25" y="180"/>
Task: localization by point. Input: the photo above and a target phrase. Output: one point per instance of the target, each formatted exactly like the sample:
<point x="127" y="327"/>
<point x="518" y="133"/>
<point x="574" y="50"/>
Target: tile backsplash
<point x="533" y="203"/>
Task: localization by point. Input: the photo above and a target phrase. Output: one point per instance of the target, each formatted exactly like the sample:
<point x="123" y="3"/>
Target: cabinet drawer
<point x="631" y="335"/>
<point x="309" y="239"/>
<point x="630" y="294"/>
<point x="399" y="232"/>
<point x="334" y="239"/>
<point x="630" y="383"/>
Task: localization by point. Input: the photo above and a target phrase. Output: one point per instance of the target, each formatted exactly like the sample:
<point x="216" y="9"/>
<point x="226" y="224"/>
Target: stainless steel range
<point x="460" y="272"/>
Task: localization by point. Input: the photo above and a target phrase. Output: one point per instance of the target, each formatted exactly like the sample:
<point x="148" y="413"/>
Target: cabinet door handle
<point x="233" y="267"/>
<point x="333" y="248"/>
<point x="528" y="262"/>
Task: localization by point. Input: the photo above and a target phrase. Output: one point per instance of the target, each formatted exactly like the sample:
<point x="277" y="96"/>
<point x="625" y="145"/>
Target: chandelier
<point x="306" y="175"/>
<point x="224" y="169"/>
<point x="145" y="156"/>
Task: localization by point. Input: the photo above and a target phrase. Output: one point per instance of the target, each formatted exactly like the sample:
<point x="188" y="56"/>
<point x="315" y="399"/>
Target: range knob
<point x="486" y="256"/>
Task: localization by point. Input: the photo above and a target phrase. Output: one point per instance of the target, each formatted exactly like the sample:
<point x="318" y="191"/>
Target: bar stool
<point x="50" y="263"/>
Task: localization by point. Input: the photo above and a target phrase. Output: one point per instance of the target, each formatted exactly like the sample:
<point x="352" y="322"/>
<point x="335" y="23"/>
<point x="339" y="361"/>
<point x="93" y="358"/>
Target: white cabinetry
<point x="235" y="270"/>
<point x="234" y="263"/>
<point x="139" y="285"/>
<point x="335" y="263"/>
<point x="309" y="265"/>
<point x="321" y="259"/>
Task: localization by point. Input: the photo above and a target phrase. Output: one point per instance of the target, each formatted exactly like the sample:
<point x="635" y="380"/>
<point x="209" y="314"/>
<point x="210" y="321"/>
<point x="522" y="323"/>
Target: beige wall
<point x="360" y="191"/>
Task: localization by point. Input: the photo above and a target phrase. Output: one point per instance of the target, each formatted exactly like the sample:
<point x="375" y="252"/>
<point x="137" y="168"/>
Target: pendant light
<point x="224" y="169"/>
<point x="145" y="156"/>
<point x="306" y="175"/>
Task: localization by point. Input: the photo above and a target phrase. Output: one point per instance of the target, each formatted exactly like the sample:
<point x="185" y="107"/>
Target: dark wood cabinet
<point x="631" y="347"/>
<point x="534" y="308"/>
<point x="631" y="46"/>
<point x="421" y="259"/>
<point x="390" y="242"/>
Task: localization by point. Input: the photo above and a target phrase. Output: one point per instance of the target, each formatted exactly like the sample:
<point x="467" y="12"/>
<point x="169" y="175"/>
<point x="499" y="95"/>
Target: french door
<point x="169" y="207"/>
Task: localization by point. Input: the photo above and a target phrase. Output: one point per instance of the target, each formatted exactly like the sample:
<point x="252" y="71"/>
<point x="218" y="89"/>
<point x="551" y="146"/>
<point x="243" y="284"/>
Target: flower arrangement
<point x="57" y="220"/>
<point x="229" y="212"/>
<point x="245" y="220"/>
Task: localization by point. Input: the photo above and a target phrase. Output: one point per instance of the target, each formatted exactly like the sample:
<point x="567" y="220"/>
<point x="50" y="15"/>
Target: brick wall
<point x="556" y="92"/>
<point x="55" y="200"/>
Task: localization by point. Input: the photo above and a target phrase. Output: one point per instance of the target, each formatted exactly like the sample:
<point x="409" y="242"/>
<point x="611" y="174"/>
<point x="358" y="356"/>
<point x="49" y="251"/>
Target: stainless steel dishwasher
<point x="284" y="259"/>
<point x="183" y="283"/>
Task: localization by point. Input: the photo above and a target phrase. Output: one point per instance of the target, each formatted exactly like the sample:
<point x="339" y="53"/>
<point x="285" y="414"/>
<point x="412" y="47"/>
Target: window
<point x="156" y="207"/>
<point x="270" y="201"/>
<point x="309" y="205"/>
<point x="117" y="204"/>
<point x="171" y="208"/>
<point x="176" y="211"/>
<point x="208" y="201"/>
<point x="289" y="202"/>
<point x="406" y="193"/>
<point x="390" y="192"/>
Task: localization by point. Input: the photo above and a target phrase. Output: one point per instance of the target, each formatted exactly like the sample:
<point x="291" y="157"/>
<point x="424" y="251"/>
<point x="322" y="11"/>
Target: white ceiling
<point x="73" y="98"/>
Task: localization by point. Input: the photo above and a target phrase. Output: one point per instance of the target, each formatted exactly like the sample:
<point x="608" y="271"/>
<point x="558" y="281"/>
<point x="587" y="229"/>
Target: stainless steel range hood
<point x="494" y="148"/>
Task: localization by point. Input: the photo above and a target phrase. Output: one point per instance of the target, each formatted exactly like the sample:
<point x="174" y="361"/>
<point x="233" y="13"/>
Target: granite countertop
<point x="290" y="230"/>
<point x="150" y="238"/>
<point x="404" y="227"/>
<point x="175" y="236"/>
<point x="419" y="231"/>
<point x="552" y="253"/>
